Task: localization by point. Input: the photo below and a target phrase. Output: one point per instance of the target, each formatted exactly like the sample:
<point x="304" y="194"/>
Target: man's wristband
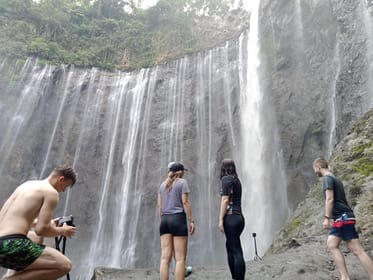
<point x="326" y="217"/>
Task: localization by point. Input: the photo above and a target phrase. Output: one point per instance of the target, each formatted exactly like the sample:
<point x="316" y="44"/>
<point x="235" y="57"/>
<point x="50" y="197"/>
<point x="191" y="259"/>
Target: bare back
<point x="32" y="199"/>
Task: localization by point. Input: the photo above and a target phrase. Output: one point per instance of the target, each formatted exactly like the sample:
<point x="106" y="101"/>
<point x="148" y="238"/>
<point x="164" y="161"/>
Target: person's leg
<point x="233" y="227"/>
<point x="366" y="262"/>
<point x="188" y="268"/>
<point x="180" y="245"/>
<point x="229" y="233"/>
<point x="34" y="238"/>
<point x="333" y="246"/>
<point x="229" y="254"/>
<point x="51" y="265"/>
<point x="166" y="255"/>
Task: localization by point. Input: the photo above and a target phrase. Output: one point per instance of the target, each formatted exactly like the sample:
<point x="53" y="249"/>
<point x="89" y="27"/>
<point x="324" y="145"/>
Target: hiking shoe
<point x="188" y="271"/>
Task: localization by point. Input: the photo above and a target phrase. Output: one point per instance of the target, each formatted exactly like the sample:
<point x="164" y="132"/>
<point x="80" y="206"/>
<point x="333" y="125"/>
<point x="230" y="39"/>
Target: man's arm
<point x="329" y="202"/>
<point x="44" y="226"/>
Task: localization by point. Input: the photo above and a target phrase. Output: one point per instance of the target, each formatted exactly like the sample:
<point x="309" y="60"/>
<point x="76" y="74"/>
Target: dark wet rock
<point x="299" y="250"/>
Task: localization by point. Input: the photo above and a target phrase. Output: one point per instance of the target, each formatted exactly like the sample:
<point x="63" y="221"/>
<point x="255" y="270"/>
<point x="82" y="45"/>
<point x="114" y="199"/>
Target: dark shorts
<point x="346" y="232"/>
<point x="17" y="251"/>
<point x="174" y="224"/>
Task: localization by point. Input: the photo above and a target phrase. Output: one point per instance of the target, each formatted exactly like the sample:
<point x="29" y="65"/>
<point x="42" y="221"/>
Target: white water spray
<point x="367" y="17"/>
<point x="333" y="110"/>
<point x="264" y="209"/>
<point x="28" y="102"/>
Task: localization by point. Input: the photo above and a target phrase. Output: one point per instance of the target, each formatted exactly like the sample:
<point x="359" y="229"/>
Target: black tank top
<point x="231" y="186"/>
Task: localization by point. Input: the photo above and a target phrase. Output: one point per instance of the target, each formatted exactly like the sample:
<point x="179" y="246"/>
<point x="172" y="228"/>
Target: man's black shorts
<point x="174" y="224"/>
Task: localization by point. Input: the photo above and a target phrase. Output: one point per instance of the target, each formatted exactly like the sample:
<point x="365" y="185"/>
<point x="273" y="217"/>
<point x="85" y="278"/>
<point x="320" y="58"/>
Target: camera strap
<point x="57" y="241"/>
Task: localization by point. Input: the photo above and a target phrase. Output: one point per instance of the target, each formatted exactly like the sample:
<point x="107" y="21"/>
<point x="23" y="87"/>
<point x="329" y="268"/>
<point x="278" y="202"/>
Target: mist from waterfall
<point x="25" y="101"/>
<point x="367" y="12"/>
<point x="333" y="110"/>
<point x="299" y="23"/>
<point x="264" y="196"/>
<point x="297" y="84"/>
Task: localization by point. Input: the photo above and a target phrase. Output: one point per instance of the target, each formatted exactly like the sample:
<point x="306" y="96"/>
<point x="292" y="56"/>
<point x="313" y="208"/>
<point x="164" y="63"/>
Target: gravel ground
<point x="308" y="261"/>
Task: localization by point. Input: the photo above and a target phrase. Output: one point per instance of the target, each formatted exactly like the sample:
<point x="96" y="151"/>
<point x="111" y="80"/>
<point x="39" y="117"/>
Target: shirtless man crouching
<point x="31" y="200"/>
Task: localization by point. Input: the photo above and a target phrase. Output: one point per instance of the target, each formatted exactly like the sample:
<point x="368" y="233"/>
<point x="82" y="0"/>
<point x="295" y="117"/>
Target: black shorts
<point x="175" y="224"/>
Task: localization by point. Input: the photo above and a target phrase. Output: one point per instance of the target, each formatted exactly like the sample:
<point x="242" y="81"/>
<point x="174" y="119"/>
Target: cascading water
<point x="87" y="117"/>
<point x="62" y="110"/>
<point x="333" y="110"/>
<point x="264" y="209"/>
<point x="27" y="100"/>
<point x="119" y="130"/>
<point x="299" y="23"/>
<point x="367" y="12"/>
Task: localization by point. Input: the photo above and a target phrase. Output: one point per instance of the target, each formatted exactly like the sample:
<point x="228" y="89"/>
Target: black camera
<point x="69" y="220"/>
<point x="254" y="234"/>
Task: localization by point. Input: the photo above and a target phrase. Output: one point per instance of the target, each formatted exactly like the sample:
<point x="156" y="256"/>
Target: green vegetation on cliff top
<point x="114" y="34"/>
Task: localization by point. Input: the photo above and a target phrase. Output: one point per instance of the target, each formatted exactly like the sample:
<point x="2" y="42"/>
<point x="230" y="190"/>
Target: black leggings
<point x="233" y="227"/>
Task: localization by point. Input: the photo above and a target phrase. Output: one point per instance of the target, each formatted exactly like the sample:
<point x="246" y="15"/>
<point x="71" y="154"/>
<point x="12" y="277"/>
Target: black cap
<point x="174" y="167"/>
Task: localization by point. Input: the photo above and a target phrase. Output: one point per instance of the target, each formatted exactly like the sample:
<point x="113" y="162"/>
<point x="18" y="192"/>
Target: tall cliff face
<point x="288" y="89"/>
<point x="316" y="70"/>
<point x="120" y="130"/>
<point x="352" y="162"/>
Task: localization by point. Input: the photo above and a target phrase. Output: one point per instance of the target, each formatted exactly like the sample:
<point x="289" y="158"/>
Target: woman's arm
<point x="188" y="210"/>
<point x="159" y="204"/>
<point x="223" y="209"/>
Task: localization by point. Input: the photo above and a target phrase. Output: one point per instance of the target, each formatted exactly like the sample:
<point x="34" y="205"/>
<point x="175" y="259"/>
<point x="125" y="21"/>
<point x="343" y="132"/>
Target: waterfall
<point x="299" y="23"/>
<point x="61" y="110"/>
<point x="128" y="102"/>
<point x="119" y="131"/>
<point x="333" y="102"/>
<point x="204" y="111"/>
<point x="264" y="209"/>
<point x="27" y="100"/>
<point x="367" y="7"/>
<point x="89" y="114"/>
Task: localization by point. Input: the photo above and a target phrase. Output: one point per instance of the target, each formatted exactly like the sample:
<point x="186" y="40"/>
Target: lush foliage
<point x="113" y="34"/>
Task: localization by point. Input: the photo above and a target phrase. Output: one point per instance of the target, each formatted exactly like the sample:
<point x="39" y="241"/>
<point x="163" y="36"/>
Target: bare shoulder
<point x="38" y="188"/>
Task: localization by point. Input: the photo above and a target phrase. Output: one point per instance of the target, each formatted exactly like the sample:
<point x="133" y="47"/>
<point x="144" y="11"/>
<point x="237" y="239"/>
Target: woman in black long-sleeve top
<point x="231" y="220"/>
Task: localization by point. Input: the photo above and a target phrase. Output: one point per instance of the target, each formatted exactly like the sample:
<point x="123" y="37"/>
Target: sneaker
<point x="188" y="271"/>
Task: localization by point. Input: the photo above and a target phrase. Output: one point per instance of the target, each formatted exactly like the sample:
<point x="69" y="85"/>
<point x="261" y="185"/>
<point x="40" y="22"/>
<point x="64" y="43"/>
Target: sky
<point x="148" y="3"/>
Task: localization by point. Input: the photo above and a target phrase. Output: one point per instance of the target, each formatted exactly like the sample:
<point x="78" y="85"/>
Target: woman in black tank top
<point x="231" y="220"/>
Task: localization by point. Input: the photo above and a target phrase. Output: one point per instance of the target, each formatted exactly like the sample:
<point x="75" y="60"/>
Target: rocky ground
<point x="307" y="261"/>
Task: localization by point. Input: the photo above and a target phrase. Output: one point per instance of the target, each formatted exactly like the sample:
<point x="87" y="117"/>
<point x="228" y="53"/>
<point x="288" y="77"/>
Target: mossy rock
<point x="352" y="162"/>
